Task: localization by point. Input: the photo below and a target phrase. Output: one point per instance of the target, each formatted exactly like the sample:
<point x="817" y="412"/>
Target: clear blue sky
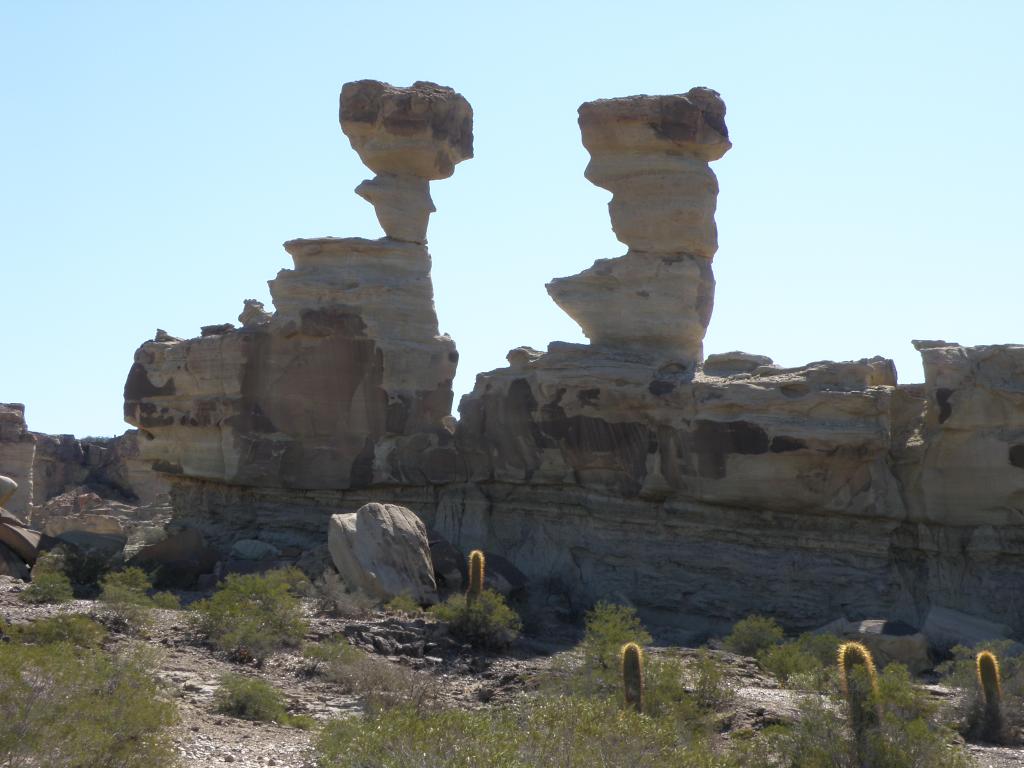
<point x="156" y="155"/>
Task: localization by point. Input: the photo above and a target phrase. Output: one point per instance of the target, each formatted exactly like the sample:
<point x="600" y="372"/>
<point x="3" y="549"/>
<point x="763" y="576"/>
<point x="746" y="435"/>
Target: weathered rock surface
<point x="348" y="384"/>
<point x="652" y="153"/>
<point x="17" y="454"/>
<point x="971" y="443"/>
<point x="382" y="551"/>
<point x="630" y="468"/>
<point x="407" y="136"/>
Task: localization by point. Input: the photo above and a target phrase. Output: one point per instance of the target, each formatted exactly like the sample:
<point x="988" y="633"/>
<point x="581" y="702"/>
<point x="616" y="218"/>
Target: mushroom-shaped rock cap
<point x="685" y="123"/>
<point x="423" y="130"/>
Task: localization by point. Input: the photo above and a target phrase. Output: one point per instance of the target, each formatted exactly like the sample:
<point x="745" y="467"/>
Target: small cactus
<point x="991" y="691"/>
<point x="476" y="576"/>
<point x="859" y="699"/>
<point x="633" y="675"/>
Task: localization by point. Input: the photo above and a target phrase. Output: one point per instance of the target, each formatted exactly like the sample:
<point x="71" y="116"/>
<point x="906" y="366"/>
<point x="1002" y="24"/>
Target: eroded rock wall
<point x="630" y="468"/>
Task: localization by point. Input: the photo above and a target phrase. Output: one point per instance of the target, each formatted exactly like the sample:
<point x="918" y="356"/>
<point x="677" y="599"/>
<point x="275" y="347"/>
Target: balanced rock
<point x="382" y="551"/>
<point x="407" y="136"/>
<point x="349" y="382"/>
<point x="652" y="153"/>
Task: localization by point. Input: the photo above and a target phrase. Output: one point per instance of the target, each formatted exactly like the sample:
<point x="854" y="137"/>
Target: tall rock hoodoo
<point x="652" y="154"/>
<point x="350" y="374"/>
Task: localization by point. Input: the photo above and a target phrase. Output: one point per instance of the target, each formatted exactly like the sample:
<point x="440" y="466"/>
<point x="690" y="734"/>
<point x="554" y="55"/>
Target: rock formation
<point x="629" y="468"/>
<point x="350" y="375"/>
<point x="652" y="154"/>
<point x="382" y="551"/>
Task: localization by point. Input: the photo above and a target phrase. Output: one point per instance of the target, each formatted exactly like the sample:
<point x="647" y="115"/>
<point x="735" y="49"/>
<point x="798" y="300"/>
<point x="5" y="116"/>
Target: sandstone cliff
<point x="628" y="468"/>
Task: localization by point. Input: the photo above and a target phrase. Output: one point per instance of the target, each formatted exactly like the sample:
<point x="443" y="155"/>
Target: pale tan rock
<point x="658" y="303"/>
<point x="652" y="153"/>
<point x="732" y="363"/>
<point x="253" y="314"/>
<point x="408" y="136"/>
<point x="8" y="487"/>
<point x="424" y="130"/>
<point x="972" y="466"/>
<point x="349" y="382"/>
<point x="402" y="203"/>
<point x="17" y="456"/>
<point x="382" y="550"/>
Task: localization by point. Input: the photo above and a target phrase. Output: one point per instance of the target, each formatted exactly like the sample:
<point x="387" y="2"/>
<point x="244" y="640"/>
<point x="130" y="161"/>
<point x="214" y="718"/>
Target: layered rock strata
<point x="629" y="468"/>
<point x="652" y="154"/>
<point x="349" y="377"/>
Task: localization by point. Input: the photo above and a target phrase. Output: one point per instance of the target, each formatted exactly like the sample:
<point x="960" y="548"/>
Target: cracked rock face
<point x="408" y="137"/>
<point x="652" y="153"/>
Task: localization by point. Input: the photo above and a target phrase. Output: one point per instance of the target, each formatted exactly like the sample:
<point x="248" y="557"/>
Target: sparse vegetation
<point x="969" y="713"/>
<point x="125" y="599"/>
<point x="67" y="707"/>
<point x="607" y="628"/>
<point x="563" y="732"/>
<point x="79" y="631"/>
<point x="381" y="683"/>
<point x="403" y="604"/>
<point x="49" y="582"/>
<point x="487" y="622"/>
<point x="753" y="635"/>
<point x="251" y="698"/>
<point x="252" y="616"/>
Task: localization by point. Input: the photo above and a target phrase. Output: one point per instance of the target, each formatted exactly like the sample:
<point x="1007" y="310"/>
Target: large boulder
<point x="945" y="627"/>
<point x="24" y="542"/>
<point x="382" y="550"/>
<point x="7" y="489"/>
<point x="888" y="641"/>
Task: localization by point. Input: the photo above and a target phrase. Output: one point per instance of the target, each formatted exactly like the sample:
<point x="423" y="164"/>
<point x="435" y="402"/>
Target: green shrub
<point x="903" y="735"/>
<point x="49" y="582"/>
<point x="125" y="599"/>
<point x="711" y="689"/>
<point x="403" y="604"/>
<point x="752" y="635"/>
<point x="250" y="698"/>
<point x="607" y="628"/>
<point x="252" y="616"/>
<point x="787" y="661"/>
<point x="63" y="707"/>
<point x="487" y="622"/>
<point x="167" y="601"/>
<point x="79" y="631"/>
<point x="382" y="684"/>
<point x="564" y="732"/>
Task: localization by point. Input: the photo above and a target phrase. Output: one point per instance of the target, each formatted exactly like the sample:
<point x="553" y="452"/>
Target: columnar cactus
<point x="991" y="691"/>
<point x="633" y="675"/>
<point x="476" y="576"/>
<point x="859" y="689"/>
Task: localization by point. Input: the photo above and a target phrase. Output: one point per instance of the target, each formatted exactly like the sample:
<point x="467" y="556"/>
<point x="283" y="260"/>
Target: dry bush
<point x="382" y="684"/>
